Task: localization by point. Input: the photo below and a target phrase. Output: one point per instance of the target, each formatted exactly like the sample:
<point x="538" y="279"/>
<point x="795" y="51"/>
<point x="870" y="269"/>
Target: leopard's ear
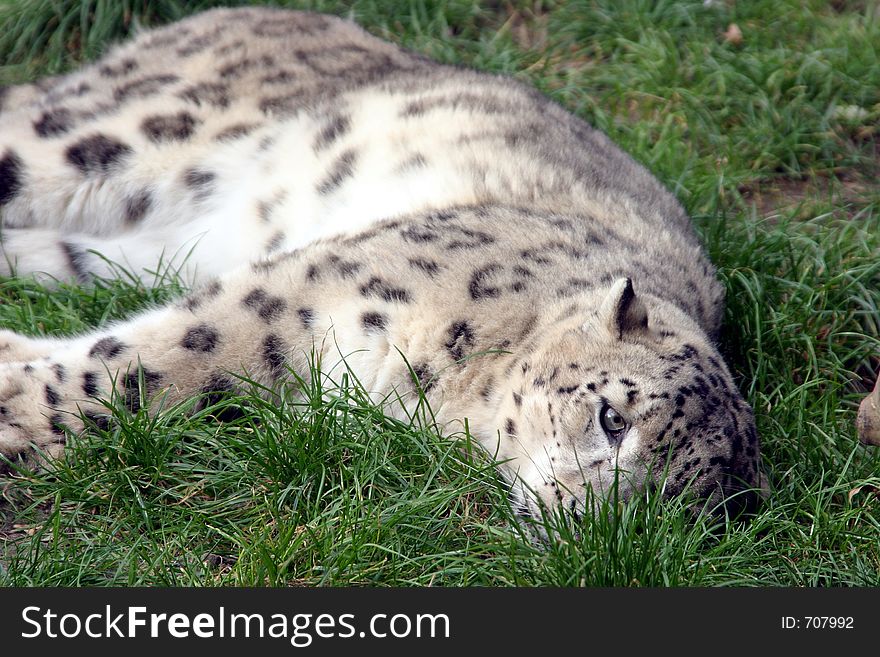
<point x="622" y="311"/>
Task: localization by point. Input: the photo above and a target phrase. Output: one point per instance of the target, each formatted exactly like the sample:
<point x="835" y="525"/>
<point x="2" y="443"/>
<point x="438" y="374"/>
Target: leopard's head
<point x="631" y="395"/>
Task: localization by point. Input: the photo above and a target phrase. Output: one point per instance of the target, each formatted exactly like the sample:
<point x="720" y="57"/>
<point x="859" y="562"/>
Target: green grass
<point x="772" y="145"/>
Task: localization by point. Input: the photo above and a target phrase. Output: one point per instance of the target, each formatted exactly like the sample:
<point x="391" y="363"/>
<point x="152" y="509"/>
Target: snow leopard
<point x="453" y="236"/>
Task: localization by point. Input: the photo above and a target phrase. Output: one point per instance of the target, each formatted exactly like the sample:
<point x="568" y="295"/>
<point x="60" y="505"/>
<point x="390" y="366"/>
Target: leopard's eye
<point x="612" y="422"/>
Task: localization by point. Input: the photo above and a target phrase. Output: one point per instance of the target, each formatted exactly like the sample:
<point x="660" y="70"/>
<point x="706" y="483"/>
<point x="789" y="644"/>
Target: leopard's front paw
<point x="31" y="415"/>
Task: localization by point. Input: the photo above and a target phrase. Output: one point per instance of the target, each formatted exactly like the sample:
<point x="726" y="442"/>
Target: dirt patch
<point x="787" y="195"/>
<point x="849" y="188"/>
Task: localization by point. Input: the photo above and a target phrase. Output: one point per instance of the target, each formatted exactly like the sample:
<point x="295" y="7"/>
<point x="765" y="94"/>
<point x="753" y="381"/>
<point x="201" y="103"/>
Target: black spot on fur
<point x="124" y="67"/>
<point x="269" y="308"/>
<point x="166" y="38"/>
<point x="510" y="427"/>
<point x="199" y="43"/>
<point x="469" y="239"/>
<point x="301" y="23"/>
<point x="373" y="322"/>
<point x="97" y="154"/>
<point x="236" y="69"/>
<point x="90" y="384"/>
<point x="264" y="210"/>
<point x="376" y="287"/>
<point x="131" y="387"/>
<point x="461" y="340"/>
<point x="11" y="168"/>
<point x="573" y="287"/>
<point x="101" y="422"/>
<point x="345" y="268"/>
<point x="106" y="348"/>
<point x="415" y="161"/>
<point x="282" y="105"/>
<point x="562" y="224"/>
<point x="305" y="23"/>
<point x="443" y="215"/>
<point x="419" y="234"/>
<point x="212" y="289"/>
<point x="534" y="256"/>
<point x="267" y="207"/>
<point x="201" y="182"/>
<point x="77" y="260"/>
<point x="202" y="338"/>
<point x="235" y="131"/>
<point x="280" y="77"/>
<point x="264" y="266"/>
<point x="144" y="87"/>
<point x="52" y="396"/>
<point x="425" y="376"/>
<point x="214" y="391"/>
<point x="275" y="242"/>
<point x="517" y="400"/>
<point x="255" y="298"/>
<point x="752" y="436"/>
<point x="137" y="206"/>
<point x="274" y="350"/>
<point x="54" y="122"/>
<point x="465" y="100"/>
<point x="479" y="287"/>
<point x="169" y="127"/>
<point x="202" y="294"/>
<point x="272" y="309"/>
<point x="334" y="128"/>
<point x="207" y="93"/>
<point x="60" y="372"/>
<point x="306" y="316"/>
<point x="56" y="426"/>
<point x="76" y="91"/>
<point x="341" y="169"/>
<point x="428" y="267"/>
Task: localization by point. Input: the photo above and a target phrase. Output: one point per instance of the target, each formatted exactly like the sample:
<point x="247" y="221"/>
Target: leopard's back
<point x="237" y="133"/>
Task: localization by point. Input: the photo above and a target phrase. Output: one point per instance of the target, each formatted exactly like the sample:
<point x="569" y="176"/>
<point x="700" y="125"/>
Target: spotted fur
<point x="325" y="190"/>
